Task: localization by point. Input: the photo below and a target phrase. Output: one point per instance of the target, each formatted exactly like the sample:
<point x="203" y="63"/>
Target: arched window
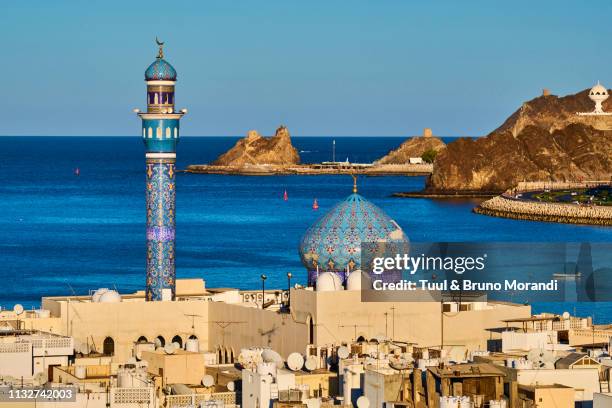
<point x="167" y="133"/>
<point x="193" y="337"/>
<point x="161" y="342"/>
<point x="150" y="133"/>
<point x="142" y="339"/>
<point x="144" y="132"/>
<point x="158" y="132"/>
<point x="156" y="99"/>
<point x="108" y="347"/>
<point x="361" y="339"/>
<point x="178" y="339"/>
<point x="220" y="356"/>
<point x="175" y="133"/>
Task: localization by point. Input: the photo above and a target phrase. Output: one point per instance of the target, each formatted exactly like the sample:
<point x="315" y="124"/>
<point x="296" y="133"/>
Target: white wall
<point x="586" y="379"/>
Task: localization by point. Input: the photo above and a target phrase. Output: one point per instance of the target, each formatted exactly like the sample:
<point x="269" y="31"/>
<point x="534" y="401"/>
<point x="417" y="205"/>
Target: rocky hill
<point x="255" y="149"/>
<point x="551" y="112"/>
<point x="543" y="140"/>
<point x="412" y="147"/>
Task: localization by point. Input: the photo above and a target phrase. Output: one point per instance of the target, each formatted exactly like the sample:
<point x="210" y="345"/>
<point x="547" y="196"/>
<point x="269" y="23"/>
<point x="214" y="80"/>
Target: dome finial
<point x="354" y="183"/>
<point x="160" y="54"/>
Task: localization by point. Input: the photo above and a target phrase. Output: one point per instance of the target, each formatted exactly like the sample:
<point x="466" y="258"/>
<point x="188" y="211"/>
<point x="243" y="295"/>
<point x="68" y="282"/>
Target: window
<point x="150" y="133"/>
<point x="108" y="347"/>
<point x="177" y="339"/>
<point x="142" y="339"/>
<point x="167" y="133"/>
<point x="160" y="341"/>
<point x="159" y="133"/>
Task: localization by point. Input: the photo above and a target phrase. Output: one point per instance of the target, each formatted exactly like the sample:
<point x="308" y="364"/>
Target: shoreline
<point x="313" y="170"/>
<point x="445" y="195"/>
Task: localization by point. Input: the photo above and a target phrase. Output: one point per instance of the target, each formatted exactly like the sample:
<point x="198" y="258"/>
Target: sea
<point x="64" y="234"/>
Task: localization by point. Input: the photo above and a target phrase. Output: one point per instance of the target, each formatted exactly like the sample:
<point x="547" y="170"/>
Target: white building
<point x="26" y="353"/>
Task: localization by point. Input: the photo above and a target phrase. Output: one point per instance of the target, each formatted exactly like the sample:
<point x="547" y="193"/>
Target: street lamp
<point x="263" y="289"/>
<point x="289" y="275"/>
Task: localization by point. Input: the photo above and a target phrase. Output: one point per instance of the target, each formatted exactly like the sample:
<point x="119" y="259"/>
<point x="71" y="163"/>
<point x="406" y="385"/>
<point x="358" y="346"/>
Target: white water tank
<point x="111" y="296"/>
<point x="266" y="368"/>
<point x="449" y="402"/>
<point x="465" y="402"/>
<point x="95" y="297"/>
<point x="329" y="282"/>
<point x="192" y="345"/>
<point x="80" y="371"/>
<point x="497" y="403"/>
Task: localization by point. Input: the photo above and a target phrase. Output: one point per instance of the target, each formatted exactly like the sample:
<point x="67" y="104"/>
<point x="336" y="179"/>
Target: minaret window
<point x="175" y="133"/>
<point x="167" y="133"/>
<point x="158" y="133"/>
<point x="144" y="132"/>
<point x="156" y="99"/>
<point x="150" y="133"/>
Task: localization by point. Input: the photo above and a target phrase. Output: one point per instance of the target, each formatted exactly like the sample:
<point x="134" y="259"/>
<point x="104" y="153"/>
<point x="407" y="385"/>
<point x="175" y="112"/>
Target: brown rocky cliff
<point x="551" y="112"/>
<point x="543" y="140"/>
<point x="412" y="147"/>
<point x="501" y="160"/>
<point x="255" y="149"/>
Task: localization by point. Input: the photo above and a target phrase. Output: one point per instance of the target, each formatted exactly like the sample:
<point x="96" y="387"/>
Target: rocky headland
<point x="545" y="139"/>
<point x="255" y="149"/>
<point x="413" y="147"/>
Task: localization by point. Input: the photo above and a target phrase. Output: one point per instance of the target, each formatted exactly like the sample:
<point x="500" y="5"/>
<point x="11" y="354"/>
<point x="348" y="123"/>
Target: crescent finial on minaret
<point x="160" y="54"/>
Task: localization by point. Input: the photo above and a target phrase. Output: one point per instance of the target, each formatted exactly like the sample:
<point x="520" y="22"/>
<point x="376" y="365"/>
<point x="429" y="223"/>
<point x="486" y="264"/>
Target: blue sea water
<point x="64" y="234"/>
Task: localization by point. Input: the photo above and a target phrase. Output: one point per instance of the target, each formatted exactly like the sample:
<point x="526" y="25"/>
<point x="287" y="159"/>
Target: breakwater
<point x="509" y="207"/>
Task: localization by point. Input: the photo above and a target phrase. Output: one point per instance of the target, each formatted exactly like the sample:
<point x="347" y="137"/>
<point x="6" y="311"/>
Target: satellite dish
<point x="139" y="355"/>
<point x="157" y="342"/>
<point x="295" y="361"/>
<point x="169" y="348"/>
<point x="343" y="352"/>
<point x="176" y="345"/>
<point x="231" y="386"/>
<point x="311" y="363"/>
<point x="566" y="315"/>
<point x="208" y="380"/>
<point x="363" y="402"/>
<point x="18" y="309"/>
<point x="131" y="360"/>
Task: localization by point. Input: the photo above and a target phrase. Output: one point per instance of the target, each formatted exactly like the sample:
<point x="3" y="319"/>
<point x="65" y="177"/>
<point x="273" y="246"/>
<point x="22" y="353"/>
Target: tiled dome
<point x="160" y="70"/>
<point x="333" y="242"/>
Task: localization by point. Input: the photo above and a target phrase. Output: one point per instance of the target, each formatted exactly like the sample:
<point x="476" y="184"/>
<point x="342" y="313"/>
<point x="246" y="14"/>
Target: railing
<point x="178" y="401"/>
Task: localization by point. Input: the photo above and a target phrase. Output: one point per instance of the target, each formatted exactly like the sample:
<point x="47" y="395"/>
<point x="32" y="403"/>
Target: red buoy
<point x="315" y="205"/>
<point x="285" y="196"/>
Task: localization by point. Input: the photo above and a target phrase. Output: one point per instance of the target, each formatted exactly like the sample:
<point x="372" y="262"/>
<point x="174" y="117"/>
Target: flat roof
<point x="469" y="370"/>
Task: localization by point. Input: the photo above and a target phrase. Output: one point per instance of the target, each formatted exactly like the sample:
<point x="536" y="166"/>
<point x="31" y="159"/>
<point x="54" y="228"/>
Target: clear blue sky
<point x="320" y="67"/>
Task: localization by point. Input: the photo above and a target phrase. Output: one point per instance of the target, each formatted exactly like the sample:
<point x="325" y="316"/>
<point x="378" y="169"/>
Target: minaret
<point x="160" y="132"/>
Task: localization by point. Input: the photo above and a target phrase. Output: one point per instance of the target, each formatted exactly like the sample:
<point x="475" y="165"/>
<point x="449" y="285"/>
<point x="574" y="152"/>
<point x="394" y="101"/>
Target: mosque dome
<point x="160" y="70"/>
<point x="333" y="242"/>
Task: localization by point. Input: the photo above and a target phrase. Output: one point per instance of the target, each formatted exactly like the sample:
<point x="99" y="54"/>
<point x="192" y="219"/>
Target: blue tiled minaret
<point x="160" y="132"/>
